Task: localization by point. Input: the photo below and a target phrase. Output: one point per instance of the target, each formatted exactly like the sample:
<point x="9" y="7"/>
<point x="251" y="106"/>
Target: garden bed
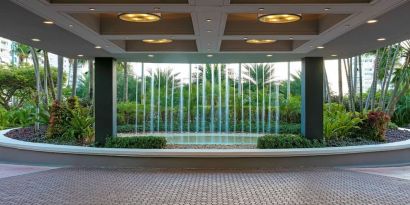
<point x="29" y="135"/>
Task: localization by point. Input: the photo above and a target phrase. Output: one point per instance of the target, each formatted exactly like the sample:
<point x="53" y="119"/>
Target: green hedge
<point x="286" y="141"/>
<point x="146" y="142"/>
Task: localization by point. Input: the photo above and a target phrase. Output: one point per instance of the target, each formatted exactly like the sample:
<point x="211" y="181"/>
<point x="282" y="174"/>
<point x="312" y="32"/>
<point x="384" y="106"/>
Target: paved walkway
<point x="165" y="186"/>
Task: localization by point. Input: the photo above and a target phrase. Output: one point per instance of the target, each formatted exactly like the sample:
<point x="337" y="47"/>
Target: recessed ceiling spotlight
<point x="327" y="9"/>
<point x="209" y="31"/>
<point x="381" y="39"/>
<point x="290" y="38"/>
<point x="208" y="20"/>
<point x="71" y="25"/>
<point x="245" y="38"/>
<point x="334" y="55"/>
<point x="372" y="21"/>
<point x="260" y="41"/>
<point x="209" y="55"/>
<point x="36" y="40"/>
<point x="279" y="18"/>
<point x="98" y="47"/>
<point x="48" y="22"/>
<point x="80" y="55"/>
<point x="269" y="55"/>
<point x="91" y="9"/>
<point x="150" y="55"/>
<point x="320" y="47"/>
<point x="140" y="17"/>
<point x="157" y="41"/>
<point x="261" y="9"/>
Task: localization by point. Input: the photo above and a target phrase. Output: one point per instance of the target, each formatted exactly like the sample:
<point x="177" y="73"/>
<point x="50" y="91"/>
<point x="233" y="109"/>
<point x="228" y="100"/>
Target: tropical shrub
<point x="374" y="127"/>
<point x="80" y="126"/>
<point x="286" y="141"/>
<point x="393" y="126"/>
<point x="338" y="123"/>
<point x="126" y="113"/>
<point x="291" y="110"/>
<point x="290" y="128"/>
<point x="58" y="120"/>
<point x="146" y="142"/>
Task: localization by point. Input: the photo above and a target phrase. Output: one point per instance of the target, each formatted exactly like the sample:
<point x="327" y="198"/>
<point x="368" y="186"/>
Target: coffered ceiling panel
<point x="139" y="46"/>
<point x="311" y="24"/>
<point x="118" y="1"/>
<point x="198" y="28"/>
<point x="298" y="1"/>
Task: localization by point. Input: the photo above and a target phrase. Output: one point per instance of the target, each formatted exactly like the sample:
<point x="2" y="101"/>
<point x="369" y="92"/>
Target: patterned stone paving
<point x="182" y="187"/>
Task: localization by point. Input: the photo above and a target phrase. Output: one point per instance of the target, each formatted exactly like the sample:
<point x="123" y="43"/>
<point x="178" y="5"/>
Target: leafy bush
<point x="126" y="113"/>
<point x="58" y="123"/>
<point x="338" y="123"/>
<point x="286" y="141"/>
<point x="374" y="127"/>
<point x="126" y="128"/>
<point x="291" y="111"/>
<point x="290" y="128"/>
<point x="80" y="127"/>
<point x="146" y="142"/>
<point x="393" y="126"/>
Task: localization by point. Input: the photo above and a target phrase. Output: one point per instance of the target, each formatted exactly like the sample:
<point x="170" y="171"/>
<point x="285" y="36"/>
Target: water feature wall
<point x="211" y="99"/>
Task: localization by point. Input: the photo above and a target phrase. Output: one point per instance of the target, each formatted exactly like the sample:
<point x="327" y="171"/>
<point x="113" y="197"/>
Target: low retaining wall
<point x="60" y="155"/>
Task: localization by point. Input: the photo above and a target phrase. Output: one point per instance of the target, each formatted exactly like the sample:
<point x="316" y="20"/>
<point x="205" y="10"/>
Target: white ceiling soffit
<point x="339" y="25"/>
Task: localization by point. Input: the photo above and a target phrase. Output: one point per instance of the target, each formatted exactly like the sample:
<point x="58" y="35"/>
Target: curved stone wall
<point x="60" y="155"/>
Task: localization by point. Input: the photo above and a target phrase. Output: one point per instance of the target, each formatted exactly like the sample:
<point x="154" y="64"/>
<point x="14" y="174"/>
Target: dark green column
<point x="312" y="97"/>
<point x="105" y="99"/>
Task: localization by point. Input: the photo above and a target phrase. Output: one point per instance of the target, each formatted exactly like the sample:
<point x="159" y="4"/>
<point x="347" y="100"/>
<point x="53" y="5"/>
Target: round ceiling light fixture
<point x="140" y="17"/>
<point x="260" y="41"/>
<point x="157" y="41"/>
<point x="279" y="18"/>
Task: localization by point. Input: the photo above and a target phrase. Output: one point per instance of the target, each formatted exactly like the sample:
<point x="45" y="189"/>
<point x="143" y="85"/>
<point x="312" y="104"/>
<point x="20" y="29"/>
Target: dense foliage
<point x="72" y="122"/>
<point x="338" y="123"/>
<point x="146" y="142"/>
<point x="286" y="142"/>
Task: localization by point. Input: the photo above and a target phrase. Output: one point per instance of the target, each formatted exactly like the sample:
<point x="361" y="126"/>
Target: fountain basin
<point x="202" y="138"/>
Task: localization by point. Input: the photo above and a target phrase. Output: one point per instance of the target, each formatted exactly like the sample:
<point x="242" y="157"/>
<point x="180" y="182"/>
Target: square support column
<point x="105" y="99"/>
<point x="312" y="97"/>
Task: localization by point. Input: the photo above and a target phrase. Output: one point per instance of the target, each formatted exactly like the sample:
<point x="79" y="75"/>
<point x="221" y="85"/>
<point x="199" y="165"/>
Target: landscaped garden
<point x="207" y="106"/>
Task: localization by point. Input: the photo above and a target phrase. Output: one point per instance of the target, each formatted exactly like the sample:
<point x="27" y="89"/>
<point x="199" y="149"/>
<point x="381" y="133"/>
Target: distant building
<point x="6" y="51"/>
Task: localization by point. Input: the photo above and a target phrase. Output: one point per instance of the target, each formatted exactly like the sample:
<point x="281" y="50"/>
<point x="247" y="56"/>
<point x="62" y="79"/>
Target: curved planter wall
<point x="59" y="155"/>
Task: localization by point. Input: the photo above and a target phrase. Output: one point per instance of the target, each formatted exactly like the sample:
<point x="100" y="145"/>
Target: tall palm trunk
<point x="38" y="86"/>
<point x="389" y="70"/>
<point x="339" y="68"/>
<point x="361" y="83"/>
<point x="74" y="83"/>
<point x="49" y="75"/>
<point x="91" y="85"/>
<point x="372" y="93"/>
<point x="45" y="81"/>
<point x="125" y="81"/>
<point x="60" y="78"/>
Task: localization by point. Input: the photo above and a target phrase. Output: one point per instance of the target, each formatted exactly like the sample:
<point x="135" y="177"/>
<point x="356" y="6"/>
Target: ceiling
<point x="205" y="30"/>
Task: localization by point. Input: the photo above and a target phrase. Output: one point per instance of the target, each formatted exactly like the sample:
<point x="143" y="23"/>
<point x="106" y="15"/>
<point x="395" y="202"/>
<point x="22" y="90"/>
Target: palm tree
<point x="60" y="78"/>
<point x="401" y="79"/>
<point x="255" y="72"/>
<point x="91" y="84"/>
<point x="23" y="52"/>
<point x="38" y="86"/>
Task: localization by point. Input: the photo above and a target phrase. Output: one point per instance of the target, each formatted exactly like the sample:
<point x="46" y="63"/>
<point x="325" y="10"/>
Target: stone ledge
<point x="193" y="153"/>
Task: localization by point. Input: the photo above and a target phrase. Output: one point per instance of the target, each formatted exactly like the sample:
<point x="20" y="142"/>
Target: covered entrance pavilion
<point x="200" y="32"/>
<point x="195" y="31"/>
